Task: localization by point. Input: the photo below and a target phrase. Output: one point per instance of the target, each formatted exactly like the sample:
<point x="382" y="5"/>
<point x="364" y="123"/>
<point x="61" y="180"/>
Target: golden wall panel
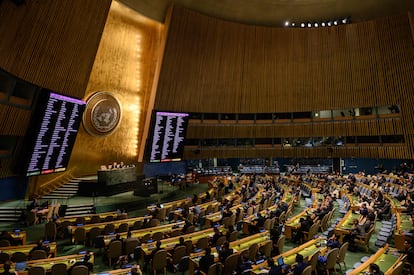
<point x="52" y="43"/>
<point x="225" y="67"/>
<point x="124" y="66"/>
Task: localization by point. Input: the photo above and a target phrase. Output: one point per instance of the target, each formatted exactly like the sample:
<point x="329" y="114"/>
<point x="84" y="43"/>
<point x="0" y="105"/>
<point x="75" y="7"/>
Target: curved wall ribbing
<point x="217" y="66"/>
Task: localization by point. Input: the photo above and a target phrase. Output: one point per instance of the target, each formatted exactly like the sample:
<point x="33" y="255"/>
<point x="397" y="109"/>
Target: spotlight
<point x="286" y="23"/>
<point x="302" y="25"/>
<point x="316" y="25"/>
<point x="330" y="23"/>
<point x="323" y="24"/>
<point x="293" y="24"/>
<point x="344" y="21"/>
<point x="309" y="25"/>
<point x="336" y="23"/>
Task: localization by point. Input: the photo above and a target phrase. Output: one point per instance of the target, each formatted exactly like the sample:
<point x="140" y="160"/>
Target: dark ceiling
<point x="276" y="12"/>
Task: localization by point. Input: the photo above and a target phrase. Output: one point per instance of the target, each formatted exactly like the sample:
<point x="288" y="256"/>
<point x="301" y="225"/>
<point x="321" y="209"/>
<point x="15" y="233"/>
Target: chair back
<point x="80" y="270"/>
<point x="230" y="264"/>
<point x="282" y="217"/>
<point x="59" y="269"/>
<point x="189" y="246"/>
<point x="137" y="225"/>
<point x="342" y="252"/>
<point x="331" y="258"/>
<point x="215" y="269"/>
<point x="220" y="240"/>
<point x="50" y="231"/>
<point x="314" y="260"/>
<point x="267" y="224"/>
<point x="267" y="248"/>
<point x="80" y="235"/>
<point x="253" y="249"/>
<point x="281" y="243"/>
<point x="190" y="229"/>
<point x="154" y="222"/>
<point x="184" y="264"/>
<point x="37" y="270"/>
<point x="307" y="271"/>
<point x="114" y="250"/>
<point x="145" y="238"/>
<point x="159" y="261"/>
<point x="162" y="213"/>
<point x="80" y="220"/>
<point x="109" y="228"/>
<point x="203" y="243"/>
<point x="109" y="218"/>
<point x="93" y="233"/>
<point x="18" y="256"/>
<point x="233" y="236"/>
<point x="179" y="252"/>
<point x="129" y="245"/>
<point x="4" y="257"/>
<point x="157" y="236"/>
<point x="123" y="227"/>
<point x="4" y="243"/>
<point x="95" y="219"/>
<point x="175" y="232"/>
<point x="38" y="254"/>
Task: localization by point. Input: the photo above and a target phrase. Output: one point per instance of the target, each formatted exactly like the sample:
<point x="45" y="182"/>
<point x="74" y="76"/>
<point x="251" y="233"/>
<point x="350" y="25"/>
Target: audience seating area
<point x="245" y="225"/>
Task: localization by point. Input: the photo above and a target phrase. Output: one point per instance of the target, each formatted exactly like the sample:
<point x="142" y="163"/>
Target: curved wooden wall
<point x="215" y="66"/>
<point x="50" y="44"/>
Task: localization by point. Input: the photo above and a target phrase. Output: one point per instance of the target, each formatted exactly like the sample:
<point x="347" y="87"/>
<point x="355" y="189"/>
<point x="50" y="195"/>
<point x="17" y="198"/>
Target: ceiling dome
<point x="277" y="12"/>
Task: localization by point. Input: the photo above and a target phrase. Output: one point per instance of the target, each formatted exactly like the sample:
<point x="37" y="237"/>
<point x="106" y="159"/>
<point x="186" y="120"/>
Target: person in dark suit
<point x="274" y="269"/>
<point x="7" y="267"/>
<point x="299" y="266"/>
<point x="225" y="251"/>
<point x="206" y="261"/>
<point x="40" y="246"/>
<point x="385" y="210"/>
<point x="216" y="236"/>
<point x="409" y="251"/>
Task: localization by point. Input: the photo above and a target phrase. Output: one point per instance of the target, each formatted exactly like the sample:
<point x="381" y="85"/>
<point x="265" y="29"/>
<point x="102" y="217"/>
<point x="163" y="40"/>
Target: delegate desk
<point x="18" y="236"/>
<point x="122" y="271"/>
<point x="166" y="228"/>
<point x="306" y="250"/>
<point x="237" y="246"/>
<point x="87" y="217"/>
<point x="384" y="258"/>
<point x="27" y="248"/>
<point x="101" y="225"/>
<point x="47" y="264"/>
<point x="214" y="205"/>
<point x="217" y="216"/>
<point x="172" y="205"/>
<point x="169" y="244"/>
<point x="402" y="232"/>
<point x="345" y="226"/>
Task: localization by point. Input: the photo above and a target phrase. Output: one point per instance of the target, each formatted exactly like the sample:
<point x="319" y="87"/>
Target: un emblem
<point x="102" y="114"/>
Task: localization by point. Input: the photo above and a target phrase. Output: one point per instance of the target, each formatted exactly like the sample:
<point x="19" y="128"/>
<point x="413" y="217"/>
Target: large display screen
<point x="166" y="143"/>
<point x="52" y="133"/>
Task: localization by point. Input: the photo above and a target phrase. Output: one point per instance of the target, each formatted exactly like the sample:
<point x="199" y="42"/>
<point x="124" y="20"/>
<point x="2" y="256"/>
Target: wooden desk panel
<point x="383" y="258"/>
<point x="166" y="228"/>
<point x="306" y="250"/>
<point x="101" y="225"/>
<point x="237" y="246"/>
<point x="27" y="248"/>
